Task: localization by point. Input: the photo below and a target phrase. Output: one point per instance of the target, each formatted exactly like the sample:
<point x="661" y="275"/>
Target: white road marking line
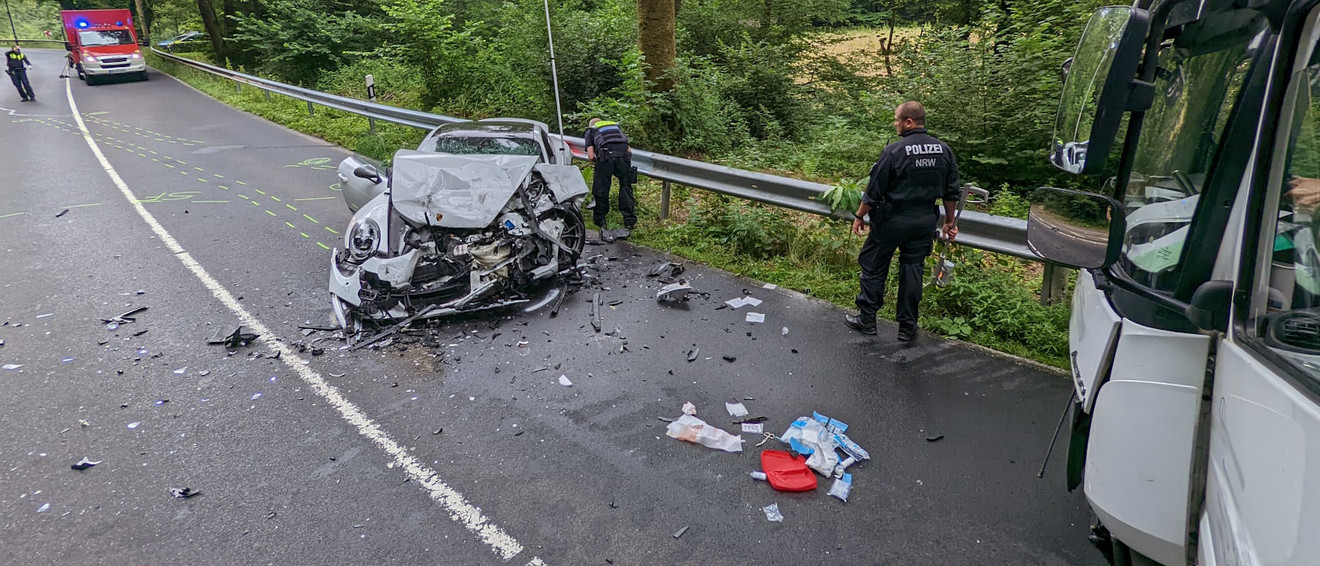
<point x="460" y="509"/>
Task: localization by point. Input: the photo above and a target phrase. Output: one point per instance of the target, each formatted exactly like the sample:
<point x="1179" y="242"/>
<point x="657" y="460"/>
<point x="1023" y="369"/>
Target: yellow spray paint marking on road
<point x="244" y="197"/>
<point x="291" y="207"/>
<point x="201" y="180"/>
<point x="304" y="234"/>
<point x="275" y="198"/>
<point x="323" y="245"/>
<point x="12" y="214"/>
<point x="260" y="192"/>
<point x="272" y="214"/>
<point x="314" y="221"/>
<point x="255" y="203"/>
<point x="313" y="198"/>
<point x="81" y="205"/>
<point x="286" y="223"/>
<point x="223" y="187"/>
<point x="199" y="169"/>
<point x="332" y="230"/>
<point x="217" y="175"/>
<point x="210" y="201"/>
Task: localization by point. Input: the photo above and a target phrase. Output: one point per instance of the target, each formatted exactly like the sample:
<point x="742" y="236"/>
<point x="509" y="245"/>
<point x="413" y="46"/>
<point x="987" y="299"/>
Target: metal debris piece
<point x="123" y="318"/>
<point x="62" y="213"/>
<point x="183" y="492"/>
<point x="659" y="269"/>
<point x="595" y="312"/>
<point x="84" y="463"/>
<point x="397" y="327"/>
<point x="680" y="532"/>
<point x="559" y="301"/>
<point x="232" y="339"/>
<point x="934" y="438"/>
<point x="693" y="353"/>
<point x="730" y="359"/>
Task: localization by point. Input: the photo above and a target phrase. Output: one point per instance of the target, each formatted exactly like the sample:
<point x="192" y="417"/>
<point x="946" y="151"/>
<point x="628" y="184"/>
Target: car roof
<point x="489" y="128"/>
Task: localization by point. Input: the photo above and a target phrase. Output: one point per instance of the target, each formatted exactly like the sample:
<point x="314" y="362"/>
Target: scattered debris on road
<point x="84" y="463"/>
<point x="772" y="513"/>
<point x="563" y="380"/>
<point x="689" y="428"/>
<point x="184" y="492"/>
<point x="680" y="532"/>
<point x="62" y="213"/>
<point x="232" y="339"/>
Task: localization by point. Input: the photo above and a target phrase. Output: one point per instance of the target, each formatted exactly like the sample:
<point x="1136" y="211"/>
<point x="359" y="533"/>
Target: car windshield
<point x="472" y="143"/>
<point x="105" y="37"/>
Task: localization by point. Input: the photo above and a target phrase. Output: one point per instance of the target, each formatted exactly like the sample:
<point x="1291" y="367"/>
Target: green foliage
<point x="956" y="327"/>
<point x="299" y="39"/>
<point x="751" y="229"/>
<point x="33" y="18"/>
<point x="845" y="196"/>
<point x="1008" y="203"/>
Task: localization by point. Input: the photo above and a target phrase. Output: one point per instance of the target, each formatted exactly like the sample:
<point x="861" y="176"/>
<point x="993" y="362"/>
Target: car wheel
<point x="142" y="75"/>
<point x="575" y="230"/>
<point x="81" y="75"/>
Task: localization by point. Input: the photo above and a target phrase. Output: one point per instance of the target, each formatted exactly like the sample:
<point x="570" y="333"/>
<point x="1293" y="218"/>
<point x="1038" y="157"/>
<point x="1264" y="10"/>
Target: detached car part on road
<point x="471" y="220"/>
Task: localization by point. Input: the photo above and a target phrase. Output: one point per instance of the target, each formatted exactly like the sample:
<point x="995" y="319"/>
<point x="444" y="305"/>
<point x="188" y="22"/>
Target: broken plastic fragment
<point x="184" y="492"/>
<point x="842" y="486"/>
<point x="111" y="326"/>
<point x="760" y="476"/>
<point x="674" y="292"/>
<point x="11" y="366"/>
<point x="772" y="513"/>
<point x="46" y="507"/>
<point x="84" y="463"/>
<point x="181" y="370"/>
<point x="563" y="380"/>
<point x="256" y="396"/>
<point x="691" y="355"/>
<point x="783" y="331"/>
<point x="755" y="317"/>
<point x="680" y="532"/>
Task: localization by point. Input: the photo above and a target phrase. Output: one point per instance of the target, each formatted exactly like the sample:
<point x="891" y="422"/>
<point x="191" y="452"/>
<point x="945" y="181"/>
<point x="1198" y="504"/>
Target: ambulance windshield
<point x="95" y="38"/>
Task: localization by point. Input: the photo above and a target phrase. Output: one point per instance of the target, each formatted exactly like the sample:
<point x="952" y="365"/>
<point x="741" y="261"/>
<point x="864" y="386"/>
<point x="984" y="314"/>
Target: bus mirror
<point x="1074" y="228"/>
<point x="1097" y="88"/>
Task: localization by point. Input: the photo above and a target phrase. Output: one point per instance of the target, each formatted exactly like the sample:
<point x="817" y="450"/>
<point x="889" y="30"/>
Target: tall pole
<point x="554" y="72"/>
<point x="15" y="31"/>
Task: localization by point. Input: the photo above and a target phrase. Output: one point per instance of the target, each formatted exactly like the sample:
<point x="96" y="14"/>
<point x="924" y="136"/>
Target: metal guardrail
<point x="976" y="229"/>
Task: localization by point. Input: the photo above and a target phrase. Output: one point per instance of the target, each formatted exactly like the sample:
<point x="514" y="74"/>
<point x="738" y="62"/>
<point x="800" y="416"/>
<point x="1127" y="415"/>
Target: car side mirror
<point x="1074" y="228"/>
<point x="367" y="172"/>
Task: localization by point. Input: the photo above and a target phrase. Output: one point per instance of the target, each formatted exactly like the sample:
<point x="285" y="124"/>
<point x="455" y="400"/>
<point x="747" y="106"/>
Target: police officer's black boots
<point x="856" y="323"/>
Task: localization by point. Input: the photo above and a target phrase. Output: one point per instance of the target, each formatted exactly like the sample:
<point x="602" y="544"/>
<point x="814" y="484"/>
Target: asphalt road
<point x="525" y="470"/>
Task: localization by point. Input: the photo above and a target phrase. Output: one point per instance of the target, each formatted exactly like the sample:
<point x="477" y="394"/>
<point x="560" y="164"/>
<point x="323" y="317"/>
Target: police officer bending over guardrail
<point x="607" y="147"/>
<point x="900" y="200"/>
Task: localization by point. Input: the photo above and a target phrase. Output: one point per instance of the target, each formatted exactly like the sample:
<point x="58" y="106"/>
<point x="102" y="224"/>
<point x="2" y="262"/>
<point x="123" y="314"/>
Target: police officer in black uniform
<point x="16" y="66"/>
<point x="607" y="147"/>
<point x="909" y="176"/>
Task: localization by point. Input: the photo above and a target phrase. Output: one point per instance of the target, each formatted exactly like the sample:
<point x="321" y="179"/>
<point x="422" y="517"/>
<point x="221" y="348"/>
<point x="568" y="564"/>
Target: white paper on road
<point x="735" y="409"/>
<point x="755" y="317"/>
<point x="753" y="428"/>
<point x="752" y="301"/>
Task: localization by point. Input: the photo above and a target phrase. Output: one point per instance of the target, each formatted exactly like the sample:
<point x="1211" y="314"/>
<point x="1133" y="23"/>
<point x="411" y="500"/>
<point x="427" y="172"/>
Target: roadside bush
<point x="396" y="83"/>
<point x="751" y="229"/>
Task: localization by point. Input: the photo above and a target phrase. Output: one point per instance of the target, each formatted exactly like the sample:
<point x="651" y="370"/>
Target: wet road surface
<point x="459" y="446"/>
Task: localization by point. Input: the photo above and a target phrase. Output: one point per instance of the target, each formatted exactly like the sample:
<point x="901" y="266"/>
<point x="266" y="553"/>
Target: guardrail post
<point x="664" y="200"/>
<point x="310" y="112"/>
<point x="371" y="125"/>
<point x="1053" y="282"/>
<point x="267" y="96"/>
<point x="238" y="87"/>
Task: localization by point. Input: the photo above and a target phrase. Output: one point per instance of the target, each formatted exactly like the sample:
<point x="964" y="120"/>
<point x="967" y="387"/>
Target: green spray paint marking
<point x="211" y="201"/>
<point x="286" y="223"/>
<point x="291" y="207"/>
<point x="82" y="205"/>
<point x="259" y="191"/>
<point x="12" y="214"/>
<point x="314" y="221"/>
<point x="314" y="198"/>
<point x="272" y="213"/>
<point x="332" y="230"/>
<point x="323" y="245"/>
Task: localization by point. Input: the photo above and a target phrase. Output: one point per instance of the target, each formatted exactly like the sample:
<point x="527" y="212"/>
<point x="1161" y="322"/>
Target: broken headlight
<point x="362" y="239"/>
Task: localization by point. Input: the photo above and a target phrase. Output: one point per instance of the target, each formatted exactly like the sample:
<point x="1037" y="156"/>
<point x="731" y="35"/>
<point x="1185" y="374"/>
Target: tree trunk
<point x="213" y="30"/>
<point x="143" y="24"/>
<point x="227" y="10"/>
<point x="889" y="46"/>
<point x="655" y="37"/>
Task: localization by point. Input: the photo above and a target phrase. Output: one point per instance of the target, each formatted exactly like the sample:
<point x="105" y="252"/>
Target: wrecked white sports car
<point x="472" y="220"/>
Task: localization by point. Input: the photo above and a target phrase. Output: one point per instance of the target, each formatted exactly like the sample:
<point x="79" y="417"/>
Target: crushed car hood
<point x="455" y="191"/>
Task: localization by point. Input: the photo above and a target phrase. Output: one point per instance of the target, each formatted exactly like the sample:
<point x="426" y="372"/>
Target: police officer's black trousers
<point x="607" y="169"/>
<point x="912" y="236"/>
<point x="19" y="76"/>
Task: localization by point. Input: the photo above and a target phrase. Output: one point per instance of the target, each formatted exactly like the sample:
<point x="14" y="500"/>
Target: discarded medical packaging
<point x="842" y="486"/>
<point x="692" y="429"/>
<point x="772" y="513"/>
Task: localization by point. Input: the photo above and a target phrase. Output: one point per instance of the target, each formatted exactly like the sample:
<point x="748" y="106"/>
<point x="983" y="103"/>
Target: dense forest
<point x="772" y="84"/>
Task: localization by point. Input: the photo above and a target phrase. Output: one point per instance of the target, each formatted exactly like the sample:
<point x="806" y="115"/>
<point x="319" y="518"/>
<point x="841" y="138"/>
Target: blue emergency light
<point x="82" y="23"/>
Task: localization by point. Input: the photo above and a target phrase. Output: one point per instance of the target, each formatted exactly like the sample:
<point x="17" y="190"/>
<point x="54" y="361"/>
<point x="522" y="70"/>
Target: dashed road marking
<point x="459" y="508"/>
